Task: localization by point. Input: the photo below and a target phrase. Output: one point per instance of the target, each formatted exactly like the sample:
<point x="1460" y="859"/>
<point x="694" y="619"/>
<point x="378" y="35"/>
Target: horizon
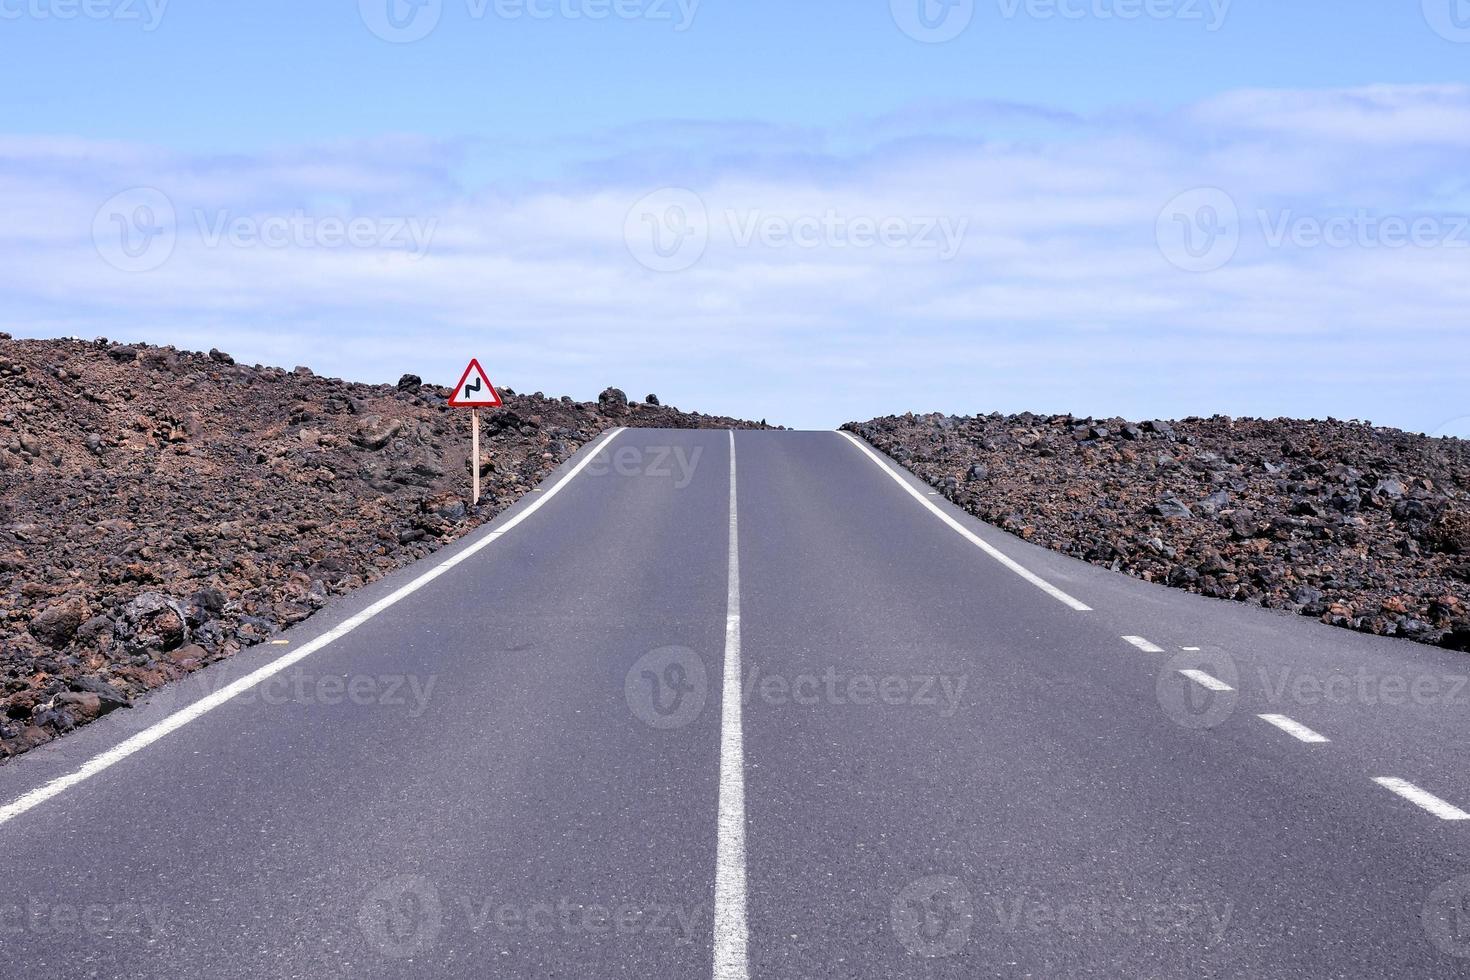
<point x="695" y="409"/>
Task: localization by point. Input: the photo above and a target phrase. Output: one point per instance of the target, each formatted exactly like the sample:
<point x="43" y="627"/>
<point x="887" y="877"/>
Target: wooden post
<point x="475" y="451"/>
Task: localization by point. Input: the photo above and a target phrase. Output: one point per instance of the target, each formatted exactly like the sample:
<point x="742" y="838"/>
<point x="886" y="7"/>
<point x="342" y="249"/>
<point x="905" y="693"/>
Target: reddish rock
<point x="161" y="509"/>
<point x="57" y="624"/>
<point x="1450" y="532"/>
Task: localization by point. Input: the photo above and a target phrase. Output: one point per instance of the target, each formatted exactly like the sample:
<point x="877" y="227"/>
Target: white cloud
<point x="1059" y="296"/>
<point x="1385" y="115"/>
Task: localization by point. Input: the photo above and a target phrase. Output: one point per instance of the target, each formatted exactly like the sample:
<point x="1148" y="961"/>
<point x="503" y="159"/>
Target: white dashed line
<point x="1205" y="680"/>
<point x="1144" y="645"/>
<point x="731" y="961"/>
<point x="177" y="720"/>
<point x="1295" y="729"/>
<point x="1421" y="798"/>
<point x="967" y="534"/>
<point x="1190" y="649"/>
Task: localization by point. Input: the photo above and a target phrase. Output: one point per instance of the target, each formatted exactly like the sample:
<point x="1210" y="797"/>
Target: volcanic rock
<point x="57" y="624"/>
<point x="161" y="510"/>
<point x="1360" y="526"/>
<point x="1450" y="532"/>
<point x="612" y="401"/>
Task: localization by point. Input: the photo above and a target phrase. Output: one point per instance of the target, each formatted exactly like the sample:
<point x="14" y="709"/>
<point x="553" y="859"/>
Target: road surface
<point x="875" y="739"/>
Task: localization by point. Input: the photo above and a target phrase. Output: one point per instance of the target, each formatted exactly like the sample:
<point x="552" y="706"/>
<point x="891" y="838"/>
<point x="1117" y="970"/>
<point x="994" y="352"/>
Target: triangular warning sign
<point x="474" y="389"/>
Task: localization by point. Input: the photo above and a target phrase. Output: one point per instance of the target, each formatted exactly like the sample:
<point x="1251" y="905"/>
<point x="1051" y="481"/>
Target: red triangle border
<point x="474" y="366"/>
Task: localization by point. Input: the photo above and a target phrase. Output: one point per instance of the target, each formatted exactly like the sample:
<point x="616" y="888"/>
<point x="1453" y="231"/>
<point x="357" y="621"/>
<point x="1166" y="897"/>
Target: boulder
<point x="1172" y="506"/>
<point x="374" y="432"/>
<point x="1213" y="504"/>
<point x="56" y="625"/>
<point x="612" y="402"/>
<point x="448" y="506"/>
<point x="1450" y="532"/>
<point x="152" y="621"/>
<point x="1392" y="489"/>
<point x="108" y="697"/>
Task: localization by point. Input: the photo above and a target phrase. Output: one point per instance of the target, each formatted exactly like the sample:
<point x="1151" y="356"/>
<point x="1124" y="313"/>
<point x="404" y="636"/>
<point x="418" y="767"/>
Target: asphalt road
<point x="530" y="756"/>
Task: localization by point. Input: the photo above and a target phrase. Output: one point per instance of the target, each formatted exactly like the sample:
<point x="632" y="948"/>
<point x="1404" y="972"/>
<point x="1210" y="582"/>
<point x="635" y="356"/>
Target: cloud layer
<point x="1263" y="252"/>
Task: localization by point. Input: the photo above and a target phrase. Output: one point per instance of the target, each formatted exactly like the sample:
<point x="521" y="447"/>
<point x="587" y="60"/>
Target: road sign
<point x="475" y="392"/>
<point x="474" y="389"/>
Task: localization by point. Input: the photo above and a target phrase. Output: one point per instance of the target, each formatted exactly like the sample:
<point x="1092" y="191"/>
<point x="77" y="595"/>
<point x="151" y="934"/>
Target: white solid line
<point x="730" y="958"/>
<point x="971" y="536"/>
<point x="1144" y="645"/>
<point x="1205" y="680"/>
<point x="1422" y="798"/>
<point x="179" y="719"/>
<point x="1294" y="728"/>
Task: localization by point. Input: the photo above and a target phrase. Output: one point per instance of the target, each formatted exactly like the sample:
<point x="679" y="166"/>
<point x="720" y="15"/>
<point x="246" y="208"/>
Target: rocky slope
<point x="1366" y="528"/>
<point x="161" y="509"/>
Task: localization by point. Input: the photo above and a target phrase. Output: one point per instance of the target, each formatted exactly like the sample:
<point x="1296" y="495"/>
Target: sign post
<point x="474" y="392"/>
<point x="475" y="451"/>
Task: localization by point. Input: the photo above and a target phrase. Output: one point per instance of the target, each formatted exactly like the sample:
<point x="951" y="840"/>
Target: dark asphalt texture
<point x="513" y="772"/>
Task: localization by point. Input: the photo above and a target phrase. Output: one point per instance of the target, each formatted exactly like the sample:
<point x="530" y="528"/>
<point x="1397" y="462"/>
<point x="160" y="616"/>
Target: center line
<point x="730" y="958"/>
<point x="1205" y="680"/>
<point x="1144" y="645"/>
<point x="1293" y="728"/>
<point x="1421" y="798"/>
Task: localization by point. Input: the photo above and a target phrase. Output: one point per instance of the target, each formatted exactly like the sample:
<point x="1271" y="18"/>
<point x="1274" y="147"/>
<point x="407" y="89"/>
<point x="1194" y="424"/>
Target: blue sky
<point x="797" y="211"/>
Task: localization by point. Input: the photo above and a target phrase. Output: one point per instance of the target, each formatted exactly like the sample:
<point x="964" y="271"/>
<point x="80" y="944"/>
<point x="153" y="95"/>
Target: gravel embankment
<point x="1362" y="527"/>
<point x="161" y="509"/>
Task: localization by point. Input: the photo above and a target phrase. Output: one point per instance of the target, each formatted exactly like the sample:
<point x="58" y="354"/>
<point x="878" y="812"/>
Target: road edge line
<point x="141" y="740"/>
<point x="971" y="536"/>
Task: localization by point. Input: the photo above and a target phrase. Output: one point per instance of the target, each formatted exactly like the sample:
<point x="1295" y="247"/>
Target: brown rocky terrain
<point x="161" y="509"/>
<point x="1362" y="527"/>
